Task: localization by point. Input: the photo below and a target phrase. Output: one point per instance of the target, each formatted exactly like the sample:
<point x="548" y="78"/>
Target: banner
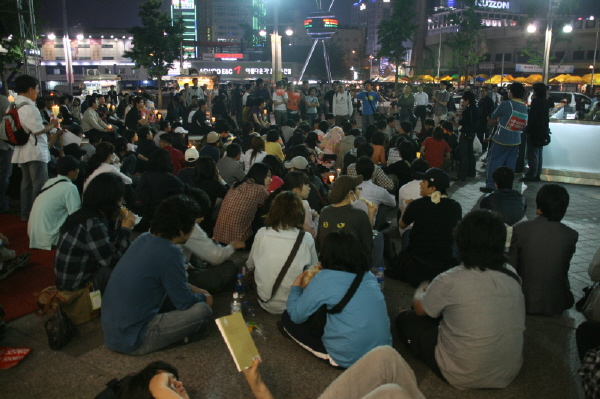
<point x="48" y="53"/>
<point x="529" y="68"/>
<point x="95" y="49"/>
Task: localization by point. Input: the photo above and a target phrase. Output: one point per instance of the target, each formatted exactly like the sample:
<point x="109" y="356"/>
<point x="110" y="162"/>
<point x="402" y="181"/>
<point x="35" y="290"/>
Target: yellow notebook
<point x="237" y="337"/>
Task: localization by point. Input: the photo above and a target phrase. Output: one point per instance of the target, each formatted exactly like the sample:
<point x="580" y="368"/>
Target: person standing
<point x="280" y="99"/>
<point x="486" y="107"/>
<point x="406" y="102"/>
<point x="421" y="102"/>
<point x="6" y="153"/>
<point x="262" y="91"/>
<point x="195" y="90"/>
<point x="369" y="99"/>
<point x="512" y="119"/>
<point x="469" y="122"/>
<point x="342" y="105"/>
<point x="33" y="156"/>
<point x="440" y="103"/>
<point x="538" y="123"/>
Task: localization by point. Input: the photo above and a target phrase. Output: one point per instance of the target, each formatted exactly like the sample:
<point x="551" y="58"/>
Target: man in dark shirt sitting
<point x="505" y="201"/>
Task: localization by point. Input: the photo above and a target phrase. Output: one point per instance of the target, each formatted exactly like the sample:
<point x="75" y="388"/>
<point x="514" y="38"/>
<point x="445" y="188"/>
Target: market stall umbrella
<point x="496" y="79"/>
<point x="574" y="79"/>
<point x="534" y="78"/>
<point x="482" y="75"/>
<point x="446" y="78"/>
<point x="560" y="78"/>
<point x="587" y="78"/>
<point x="480" y="79"/>
<point x="425" y="78"/>
<point x="521" y="79"/>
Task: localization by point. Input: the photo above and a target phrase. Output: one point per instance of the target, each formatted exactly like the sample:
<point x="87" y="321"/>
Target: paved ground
<point x="81" y="369"/>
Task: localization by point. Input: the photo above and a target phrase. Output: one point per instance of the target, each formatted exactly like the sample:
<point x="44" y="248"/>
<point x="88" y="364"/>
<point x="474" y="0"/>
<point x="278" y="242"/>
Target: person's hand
<point x="238" y="244"/>
<point x="54" y="123"/>
<point x="158" y="383"/>
<point x="4" y="240"/>
<point x="144" y="122"/>
<point x="253" y="375"/>
<point x="298" y="281"/>
<point x="127" y="218"/>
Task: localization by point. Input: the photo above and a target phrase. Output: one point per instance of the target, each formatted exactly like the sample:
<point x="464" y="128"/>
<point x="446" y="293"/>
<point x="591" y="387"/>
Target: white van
<point x="571" y="105"/>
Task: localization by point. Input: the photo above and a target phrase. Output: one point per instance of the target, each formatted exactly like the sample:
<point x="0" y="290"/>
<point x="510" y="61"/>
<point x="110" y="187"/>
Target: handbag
<point x="589" y="304"/>
<point x="315" y="325"/>
<point x="376" y="113"/>
<point x="77" y="305"/>
<point x="285" y="267"/>
<point x="59" y="329"/>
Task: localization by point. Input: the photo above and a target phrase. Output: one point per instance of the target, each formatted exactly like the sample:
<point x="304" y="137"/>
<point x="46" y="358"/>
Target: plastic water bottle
<point x="380" y="277"/>
<point x="248" y="309"/>
<point x="239" y="286"/>
<point x="236" y="304"/>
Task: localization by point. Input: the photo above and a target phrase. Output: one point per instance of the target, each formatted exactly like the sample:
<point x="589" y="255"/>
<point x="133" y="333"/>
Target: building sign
<point x="529" y="68"/>
<point x="229" y="55"/>
<point x="239" y="70"/>
<point x="495" y="4"/>
<point x="183" y="4"/>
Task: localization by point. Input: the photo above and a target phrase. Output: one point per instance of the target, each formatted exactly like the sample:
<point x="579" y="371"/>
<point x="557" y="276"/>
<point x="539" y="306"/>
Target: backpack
<point x="11" y="130"/>
<point x="541" y="138"/>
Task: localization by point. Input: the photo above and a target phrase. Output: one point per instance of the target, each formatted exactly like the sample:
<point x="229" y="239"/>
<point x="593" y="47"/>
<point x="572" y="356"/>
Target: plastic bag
<point x="59" y="329"/>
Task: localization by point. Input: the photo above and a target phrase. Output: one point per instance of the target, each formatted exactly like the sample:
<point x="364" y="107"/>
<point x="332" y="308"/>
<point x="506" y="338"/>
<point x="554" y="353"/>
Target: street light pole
<point x="439" y="49"/>
<point x="276" y="44"/>
<point x="547" y="44"/>
<point x="595" y="51"/>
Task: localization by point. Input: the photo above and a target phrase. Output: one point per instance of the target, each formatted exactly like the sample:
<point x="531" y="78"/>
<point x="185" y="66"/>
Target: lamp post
<point x="547" y="44"/>
<point x="595" y="51"/>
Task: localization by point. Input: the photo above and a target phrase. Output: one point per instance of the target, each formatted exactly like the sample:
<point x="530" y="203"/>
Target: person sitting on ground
<point x="53" y="205"/>
<point x="435" y="150"/>
<point x="361" y="325"/>
<point x="405" y="134"/>
<point x="390" y="127"/>
<point x="90" y="245"/>
<point x="330" y="144"/>
<point x="210" y="268"/>
<point x="90" y="147"/>
<point x="177" y="157"/>
<point x="91" y="123"/>
<point x="137" y="317"/>
<point x="9" y="260"/>
<point x="206" y="178"/>
<point x="145" y="147"/>
<point x="346" y="145"/>
<point x="186" y="175"/>
<point x="213" y="141"/>
<point x="272" y="247"/>
<point x="127" y="159"/>
<point x="435" y="216"/>
<point x="408" y="193"/>
<point x="103" y="161"/>
<point x="541" y="250"/>
<point x="272" y="146"/>
<point x="379" y="176"/>
<point x="378" y="143"/>
<point x="427" y="130"/>
<point x="506" y="202"/>
<point x="401" y="168"/>
<point x="380" y="197"/>
<point x="240" y="206"/>
<point x="392" y="376"/>
<point x="351" y="156"/>
<point x="255" y="154"/>
<point x="316" y="196"/>
<point x="452" y="139"/>
<point x="467" y="324"/>
<point x="230" y="168"/>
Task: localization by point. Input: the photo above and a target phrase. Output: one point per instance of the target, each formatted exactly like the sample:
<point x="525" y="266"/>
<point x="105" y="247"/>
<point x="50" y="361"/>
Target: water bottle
<point x="236" y="304"/>
<point x="380" y="277"/>
<point x="239" y="286"/>
<point x="248" y="309"/>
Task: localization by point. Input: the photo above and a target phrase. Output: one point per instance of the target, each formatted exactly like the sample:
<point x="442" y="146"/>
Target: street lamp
<point x="531" y="28"/>
<point x="51" y="36"/>
<point x="568" y="28"/>
<point x="80" y="36"/>
<point x="289" y="32"/>
<point x="262" y="33"/>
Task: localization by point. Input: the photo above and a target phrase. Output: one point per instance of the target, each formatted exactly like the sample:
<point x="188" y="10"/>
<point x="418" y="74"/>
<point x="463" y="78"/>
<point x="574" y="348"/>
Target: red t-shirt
<point x="434" y="151"/>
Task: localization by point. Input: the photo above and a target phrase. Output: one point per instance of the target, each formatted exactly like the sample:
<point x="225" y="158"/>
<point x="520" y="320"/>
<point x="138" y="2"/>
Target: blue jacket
<point x="362" y="325"/>
<point x="151" y="269"/>
<point x="513" y="119"/>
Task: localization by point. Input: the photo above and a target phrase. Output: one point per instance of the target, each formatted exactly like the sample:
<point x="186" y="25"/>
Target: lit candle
<point x="112" y="107"/>
<point x="418" y="155"/>
<point x="331" y="178"/>
<point x="55" y="110"/>
<point x="213" y="119"/>
<point x="159" y="116"/>
<point x="11" y="99"/>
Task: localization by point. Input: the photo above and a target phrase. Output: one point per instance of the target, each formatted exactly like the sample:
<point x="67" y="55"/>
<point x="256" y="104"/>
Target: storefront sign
<point x="529" y="68"/>
<point x="495" y="4"/>
<point x="241" y="69"/>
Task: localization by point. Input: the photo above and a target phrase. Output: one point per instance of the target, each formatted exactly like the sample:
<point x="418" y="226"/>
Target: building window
<point x="59" y="46"/>
<point x="108" y="58"/>
<point x="578" y="55"/>
<point x="56" y="71"/>
<point x="560" y="55"/>
<point x="122" y="71"/>
<point x="498" y="58"/>
<point x="107" y="46"/>
<point x="107" y="71"/>
<point x="590" y="55"/>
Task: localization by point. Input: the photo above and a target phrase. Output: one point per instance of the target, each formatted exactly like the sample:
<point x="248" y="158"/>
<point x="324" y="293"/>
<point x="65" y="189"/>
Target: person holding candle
<point x="91" y="123"/>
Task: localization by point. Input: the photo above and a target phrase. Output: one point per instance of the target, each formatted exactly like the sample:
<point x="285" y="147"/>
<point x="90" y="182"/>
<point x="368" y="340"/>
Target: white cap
<point x="236" y="295"/>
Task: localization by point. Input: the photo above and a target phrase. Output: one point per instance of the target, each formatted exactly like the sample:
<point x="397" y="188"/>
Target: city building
<point x="369" y="14"/>
<point x="186" y="10"/>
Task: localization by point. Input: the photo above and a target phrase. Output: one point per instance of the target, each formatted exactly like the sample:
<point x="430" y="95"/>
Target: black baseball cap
<point x="436" y="177"/>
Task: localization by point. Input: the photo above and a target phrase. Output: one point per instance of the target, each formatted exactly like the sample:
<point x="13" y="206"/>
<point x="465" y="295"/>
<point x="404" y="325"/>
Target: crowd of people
<point x="151" y="219"/>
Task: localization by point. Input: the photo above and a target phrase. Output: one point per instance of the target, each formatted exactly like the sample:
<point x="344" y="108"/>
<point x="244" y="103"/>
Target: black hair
<point x="390" y="119"/>
<point x="294" y="179"/>
<point x="365" y="167"/>
<point x="162" y="125"/>
<point x="447" y="125"/>
<point x="481" y="238"/>
<point x="137" y="386"/>
<point x="272" y="136"/>
<point x="130" y="134"/>
<point x="159" y="161"/>
<point x="257" y="101"/>
<point x="503" y="177"/>
<point x="469" y="96"/>
<point x="419" y="165"/>
<point x="406" y="150"/>
<point x="365" y="149"/>
<point x="103" y="194"/>
<point x="438" y="133"/>
<point x="205" y="168"/>
<point x="323" y="126"/>
<point x="222" y="127"/>
<point x="91" y="100"/>
<point x="93" y="139"/>
<point x="381" y="124"/>
<point x="103" y="150"/>
<point x="305" y="127"/>
<point x="25" y="82"/>
<point x="257" y="173"/>
<point x="378" y="138"/>
<point x="259" y="81"/>
<point x="167" y="138"/>
<point x="406" y="126"/>
<point x="429" y="122"/>
<point x="311" y="140"/>
<point x="201" y="102"/>
<point x="174" y="216"/>
<point x="359" y="140"/>
<point x="343" y="251"/>
<point x="354" y="132"/>
<point x="329" y="116"/>
<point x="137" y="100"/>
<point x="66" y="164"/>
<point x="277" y="168"/>
<point x="201" y="198"/>
<point x="120" y="145"/>
<point x="540" y="90"/>
<point x="552" y="200"/>
<point x="517" y="89"/>
<point x="347" y="127"/>
<point x="290" y="123"/>
<point x="40" y="103"/>
<point x="233" y="150"/>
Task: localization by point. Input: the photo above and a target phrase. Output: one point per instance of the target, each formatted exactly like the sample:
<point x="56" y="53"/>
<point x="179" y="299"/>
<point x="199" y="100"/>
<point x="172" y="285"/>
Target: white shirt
<point x="421" y="98"/>
<point x="191" y="115"/>
<point x="32" y="122"/>
<point x="245" y="98"/>
<point x="409" y="191"/>
<point x="310" y="226"/>
<point x="276" y="97"/>
<point x="269" y="252"/>
<point x="104" y="168"/>
<point x="376" y="194"/>
<point x="70" y="138"/>
<point x="258" y="158"/>
<point x="342" y="104"/>
<point x="201" y="245"/>
<point x="193" y="91"/>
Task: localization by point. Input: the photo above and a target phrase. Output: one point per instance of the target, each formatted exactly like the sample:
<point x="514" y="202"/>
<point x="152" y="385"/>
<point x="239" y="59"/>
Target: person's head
<point x="298" y="162"/>
<point x="273" y="136"/>
<point x="279" y="84"/>
<point x="92" y="102"/>
<point x="346" y="128"/>
<point x="259" y="173"/>
<point x="175" y="218"/>
<point x="381" y="124"/>
<point x="391" y="121"/>
<point x="274" y="165"/>
<point x="330" y="118"/>
<point x="481" y="238"/>
<point x="138" y="102"/>
<point x="195" y="81"/>
<point x="234" y="151"/>
<point x="503" y="178"/>
<point x="166" y="140"/>
<point x="449" y="87"/>
<point x="345" y="188"/>
<point x="131" y="136"/>
<point x="159" y="161"/>
<point x="305" y="84"/>
<point x="407" y="89"/>
<point x="104" y="194"/>
<point x="405" y="127"/>
<point x="552" y="202"/>
<point x="438" y="133"/>
<point x="365" y="167"/>
<point x="447" y="126"/>
<point x="202" y="199"/>
<point x="312" y="139"/>
<point x="368" y="85"/>
<point x="257" y="145"/>
<point x="297" y="182"/>
<point x="378" y="138"/>
<point x="312" y="91"/>
<point x="138" y="385"/>
<point x="28" y="86"/>
<point x="407" y="151"/>
<point x="434" y="179"/>
<point x="95" y="140"/>
<point x="260" y="84"/>
<point x="41" y="104"/>
<point x="468" y="98"/>
<point x="540" y="90"/>
<point x="120" y="146"/>
<point x="420" y="88"/>
<point x="205" y="169"/>
<point x="104" y="151"/>
<point x="517" y="90"/>
<point x="286" y="212"/>
<point x="484" y="92"/>
<point x="420" y="166"/>
<point x="76" y="102"/>
<point x="429" y="123"/>
<point x="68" y="166"/>
<point x="341" y="88"/>
<point x="343" y="251"/>
<point x="365" y="149"/>
<point x="323" y="126"/>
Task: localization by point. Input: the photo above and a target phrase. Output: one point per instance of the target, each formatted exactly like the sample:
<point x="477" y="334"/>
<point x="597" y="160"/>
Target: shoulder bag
<point x="285" y="268"/>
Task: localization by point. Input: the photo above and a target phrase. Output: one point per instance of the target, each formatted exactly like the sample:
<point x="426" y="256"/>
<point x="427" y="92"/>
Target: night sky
<point x="123" y="13"/>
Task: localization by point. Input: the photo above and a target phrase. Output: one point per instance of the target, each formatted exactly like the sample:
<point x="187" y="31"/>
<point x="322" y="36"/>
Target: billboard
<point x="530" y="68"/>
<point x="183" y="4"/>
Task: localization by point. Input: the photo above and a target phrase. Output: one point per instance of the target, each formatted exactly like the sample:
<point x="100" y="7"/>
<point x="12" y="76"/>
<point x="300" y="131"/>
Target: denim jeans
<point x="5" y="173"/>
<point x="281" y="118"/>
<point x="534" y="160"/>
<point x="366" y="121"/>
<point x="35" y="175"/>
<point x="167" y="328"/>
<point x="500" y="155"/>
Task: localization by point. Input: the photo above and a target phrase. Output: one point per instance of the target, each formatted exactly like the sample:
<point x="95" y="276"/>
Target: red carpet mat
<point x="16" y="291"/>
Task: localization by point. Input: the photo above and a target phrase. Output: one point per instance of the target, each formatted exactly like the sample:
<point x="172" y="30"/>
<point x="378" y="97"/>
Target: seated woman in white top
<point x="102" y="161"/>
<point x="255" y="154"/>
<point x="272" y="247"/>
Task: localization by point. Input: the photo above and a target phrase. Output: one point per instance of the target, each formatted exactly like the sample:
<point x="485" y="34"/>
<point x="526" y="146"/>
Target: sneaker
<point x="486" y="189"/>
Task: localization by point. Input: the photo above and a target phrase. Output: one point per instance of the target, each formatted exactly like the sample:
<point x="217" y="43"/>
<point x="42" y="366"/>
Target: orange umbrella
<point x="587" y="78"/>
<point x="574" y="79"/>
<point x="447" y="77"/>
<point x="534" y="78"/>
<point x="521" y="79"/>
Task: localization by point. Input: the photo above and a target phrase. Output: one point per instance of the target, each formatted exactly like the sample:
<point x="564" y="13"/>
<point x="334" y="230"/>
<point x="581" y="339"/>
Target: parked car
<point x="574" y="105"/>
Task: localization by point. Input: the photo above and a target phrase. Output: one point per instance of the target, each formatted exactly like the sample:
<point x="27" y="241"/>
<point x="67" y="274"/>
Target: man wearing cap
<point x="435" y="216"/>
<point x="177" y="158"/>
<point x="210" y="149"/>
<point x="187" y="174"/>
<point x="230" y="168"/>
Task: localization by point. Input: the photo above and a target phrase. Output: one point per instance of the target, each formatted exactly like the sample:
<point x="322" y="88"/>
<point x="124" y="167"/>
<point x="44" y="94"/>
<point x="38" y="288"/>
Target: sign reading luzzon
<point x="494" y="4"/>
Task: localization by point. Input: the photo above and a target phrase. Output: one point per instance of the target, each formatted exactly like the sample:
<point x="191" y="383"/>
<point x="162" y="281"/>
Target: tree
<point x="467" y="44"/>
<point x="396" y="30"/>
<point x="155" y="45"/>
<point x="11" y="54"/>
